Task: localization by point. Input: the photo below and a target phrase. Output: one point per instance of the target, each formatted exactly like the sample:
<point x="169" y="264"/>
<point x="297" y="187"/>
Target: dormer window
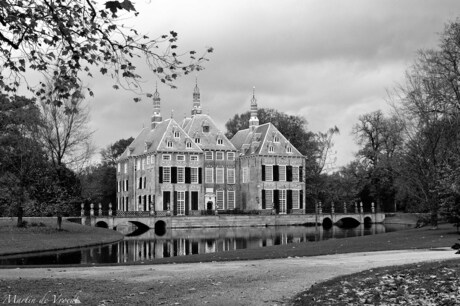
<point x="176" y="134"/>
<point x="205" y="128"/>
<point x="289" y="149"/>
<point x="169" y="144"/>
<point x="276" y="139"/>
<point x="220" y="141"/>
<point x="271" y="149"/>
<point x="188" y="145"/>
<point x="197" y="140"/>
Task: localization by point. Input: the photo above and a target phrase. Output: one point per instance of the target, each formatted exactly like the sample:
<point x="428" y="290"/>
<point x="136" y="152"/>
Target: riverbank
<point x="255" y="282"/>
<point x="40" y="234"/>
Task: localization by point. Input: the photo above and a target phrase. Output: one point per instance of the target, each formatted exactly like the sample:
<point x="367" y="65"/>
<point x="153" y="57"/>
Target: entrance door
<point x="209" y="205"/>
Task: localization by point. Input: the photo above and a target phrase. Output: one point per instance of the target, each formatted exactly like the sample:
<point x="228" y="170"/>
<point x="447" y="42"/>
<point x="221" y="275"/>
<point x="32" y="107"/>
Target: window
<point x="282" y="173"/>
<point x="169" y="144"/>
<point x="180" y="157"/>
<point x="118" y="167"/>
<point x="245" y="175"/>
<point x="205" y="128"/>
<point x="271" y="149"/>
<point x="295" y="174"/>
<point x="194" y="175"/>
<point x="208" y="155"/>
<point x="138" y="167"/>
<point x="193" y="157"/>
<point x="118" y="186"/>
<point x="180" y="174"/>
<point x="276" y="139"/>
<point x="289" y="149"/>
<point x="126" y="167"/>
<point x="197" y="140"/>
<point x="219" y="155"/>
<point x="126" y="185"/>
<point x="269" y="199"/>
<point x="166" y="174"/>
<point x="219" y="175"/>
<point x="166" y="157"/>
<point x="295" y="199"/>
<point x="220" y="141"/>
<point x="148" y="160"/>
<point x="140" y="183"/>
<point x="269" y="173"/>
<point x="230" y="199"/>
<point x="188" y="145"/>
<point x="230" y="176"/>
<point x="282" y="201"/>
<point x="143" y="163"/>
<point x="181" y="203"/>
<point x="176" y="134"/>
<point x="220" y="199"/>
<point x="145" y="182"/>
<point x="230" y="155"/>
<point x="208" y="175"/>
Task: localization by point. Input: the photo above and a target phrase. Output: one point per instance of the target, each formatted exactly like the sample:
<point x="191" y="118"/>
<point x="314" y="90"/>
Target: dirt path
<point x="261" y="282"/>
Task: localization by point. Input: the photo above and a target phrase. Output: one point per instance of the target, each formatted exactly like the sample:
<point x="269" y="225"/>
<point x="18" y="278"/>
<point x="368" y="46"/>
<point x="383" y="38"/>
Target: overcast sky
<point x="329" y="61"/>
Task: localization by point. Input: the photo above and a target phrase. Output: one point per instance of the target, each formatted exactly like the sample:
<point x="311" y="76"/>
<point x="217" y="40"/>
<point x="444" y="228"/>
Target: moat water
<point x="185" y="242"/>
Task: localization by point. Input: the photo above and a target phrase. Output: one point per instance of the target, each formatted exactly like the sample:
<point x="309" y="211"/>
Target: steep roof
<point x="157" y="139"/>
<point x="261" y="139"/>
<point x="208" y="139"/>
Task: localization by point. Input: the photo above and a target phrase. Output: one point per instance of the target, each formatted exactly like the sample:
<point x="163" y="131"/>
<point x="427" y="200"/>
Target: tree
<point x="380" y="138"/>
<point x="99" y="182"/>
<point x="429" y="104"/>
<point x="22" y="159"/>
<point x="111" y="153"/>
<point x="65" y="131"/>
<point x="67" y="38"/>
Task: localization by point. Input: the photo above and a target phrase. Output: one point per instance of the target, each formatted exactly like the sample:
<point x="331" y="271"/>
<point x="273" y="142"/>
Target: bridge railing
<point x="345" y="208"/>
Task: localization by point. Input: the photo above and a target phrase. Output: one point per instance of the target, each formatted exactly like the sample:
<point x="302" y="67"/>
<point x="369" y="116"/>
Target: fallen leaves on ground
<point x="422" y="284"/>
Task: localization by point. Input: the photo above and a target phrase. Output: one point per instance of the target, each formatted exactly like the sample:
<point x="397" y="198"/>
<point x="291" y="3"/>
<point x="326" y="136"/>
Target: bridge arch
<point x="327" y="222"/>
<point x="102" y="224"/>
<point x="160" y="228"/>
<point x="367" y="221"/>
<point x="348" y="222"/>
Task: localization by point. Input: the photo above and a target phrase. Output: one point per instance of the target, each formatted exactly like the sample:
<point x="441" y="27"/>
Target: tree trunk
<point x="20" y="215"/>
<point x="59" y="222"/>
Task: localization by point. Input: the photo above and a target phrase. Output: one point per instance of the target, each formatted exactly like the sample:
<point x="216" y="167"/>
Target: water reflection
<point x="183" y="242"/>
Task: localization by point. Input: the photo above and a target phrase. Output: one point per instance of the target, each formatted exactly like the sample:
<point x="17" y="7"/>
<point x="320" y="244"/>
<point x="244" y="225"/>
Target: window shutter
<point x="173" y="175"/>
<point x="301" y="199"/>
<point x="289" y="200"/>
<point x="187" y="204"/>
<point x="301" y="174"/>
<point x="160" y="175"/>
<point x="200" y="175"/>
<point x="263" y="172"/>
<point x="276" y="173"/>
<point x="194" y="200"/>
<point x="175" y="203"/>
<point x="263" y="198"/>
<point x="276" y="200"/>
<point x="289" y="173"/>
<point x="187" y="175"/>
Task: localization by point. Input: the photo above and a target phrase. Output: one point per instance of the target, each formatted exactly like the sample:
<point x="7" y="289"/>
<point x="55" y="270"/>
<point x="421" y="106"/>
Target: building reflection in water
<point x="184" y="242"/>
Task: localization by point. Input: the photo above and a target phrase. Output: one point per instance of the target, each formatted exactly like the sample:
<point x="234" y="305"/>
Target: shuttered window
<point x="268" y="199"/>
<point x="269" y="173"/>
<point x="282" y="173"/>
<point x="230" y="199"/>
<point x="194" y="175"/>
<point x="166" y="174"/>
<point x="181" y="175"/>
<point x="295" y="174"/>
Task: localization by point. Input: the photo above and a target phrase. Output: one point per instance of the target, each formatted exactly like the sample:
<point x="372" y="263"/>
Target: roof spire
<point x="156" y="117"/>
<point x="253" y="121"/>
<point x="196" y="99"/>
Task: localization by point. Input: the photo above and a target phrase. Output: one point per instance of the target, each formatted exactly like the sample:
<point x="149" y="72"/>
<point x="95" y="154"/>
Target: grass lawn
<point x="435" y="283"/>
<point x="41" y="234"/>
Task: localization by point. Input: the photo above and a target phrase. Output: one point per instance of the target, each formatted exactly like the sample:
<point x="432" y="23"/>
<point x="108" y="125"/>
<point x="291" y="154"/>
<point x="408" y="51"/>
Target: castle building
<point x="191" y="168"/>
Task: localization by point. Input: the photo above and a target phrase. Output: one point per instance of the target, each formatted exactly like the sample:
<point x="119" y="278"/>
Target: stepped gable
<point x="261" y="139"/>
<point x="196" y="128"/>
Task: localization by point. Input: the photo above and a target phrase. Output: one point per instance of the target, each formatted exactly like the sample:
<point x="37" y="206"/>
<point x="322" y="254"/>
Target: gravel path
<point x="255" y="282"/>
